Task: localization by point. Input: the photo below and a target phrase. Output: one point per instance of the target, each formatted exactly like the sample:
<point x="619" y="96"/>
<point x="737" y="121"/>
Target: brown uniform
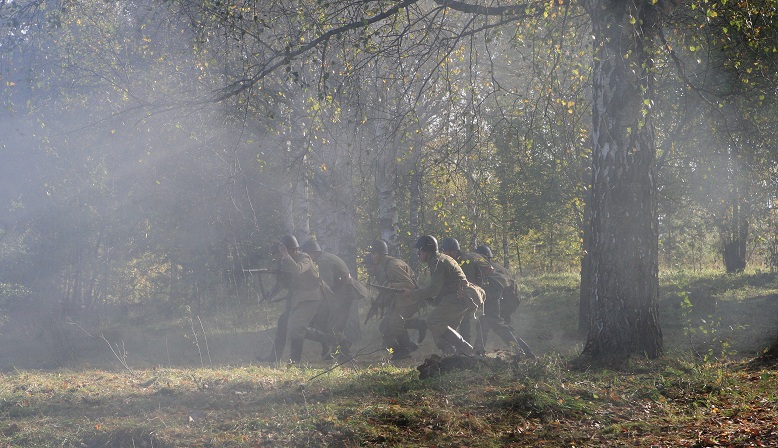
<point x="446" y="281"/>
<point x="510" y="298"/>
<point x="335" y="273"/>
<point x="477" y="269"/>
<point x="298" y="274"/>
<point x="395" y="273"/>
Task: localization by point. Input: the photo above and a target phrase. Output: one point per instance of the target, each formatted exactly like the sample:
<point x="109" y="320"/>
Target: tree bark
<point x="737" y="217"/>
<point x="624" y="226"/>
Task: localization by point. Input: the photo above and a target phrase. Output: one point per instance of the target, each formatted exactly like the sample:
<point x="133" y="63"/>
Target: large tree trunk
<point x="736" y="218"/>
<point x="623" y="266"/>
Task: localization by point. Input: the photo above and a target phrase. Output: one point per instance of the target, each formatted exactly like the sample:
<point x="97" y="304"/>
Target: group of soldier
<point x="469" y="295"/>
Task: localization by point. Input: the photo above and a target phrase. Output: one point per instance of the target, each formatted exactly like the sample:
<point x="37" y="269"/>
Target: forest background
<point x="153" y="151"/>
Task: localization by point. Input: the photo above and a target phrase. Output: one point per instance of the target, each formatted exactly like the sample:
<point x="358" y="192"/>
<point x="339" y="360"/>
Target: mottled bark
<point x="386" y="191"/>
<point x="623" y="265"/>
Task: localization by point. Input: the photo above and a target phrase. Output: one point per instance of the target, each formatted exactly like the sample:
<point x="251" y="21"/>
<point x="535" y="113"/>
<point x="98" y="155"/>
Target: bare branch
<point x="285" y="57"/>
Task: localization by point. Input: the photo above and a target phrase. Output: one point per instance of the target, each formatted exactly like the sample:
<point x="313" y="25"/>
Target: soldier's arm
<point x="434" y="286"/>
<point x="287" y="265"/>
<point x="399" y="278"/>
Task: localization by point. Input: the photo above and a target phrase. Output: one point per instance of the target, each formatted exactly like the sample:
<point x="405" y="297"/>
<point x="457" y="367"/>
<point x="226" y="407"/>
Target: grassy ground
<point x="208" y="393"/>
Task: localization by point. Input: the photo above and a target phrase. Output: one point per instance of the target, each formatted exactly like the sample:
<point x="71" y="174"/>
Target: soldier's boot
<point x="399" y="346"/>
<point x="419" y="325"/>
<point x="404" y="342"/>
<point x="459" y="343"/>
<point x="296" y="349"/>
<point x="314" y="334"/>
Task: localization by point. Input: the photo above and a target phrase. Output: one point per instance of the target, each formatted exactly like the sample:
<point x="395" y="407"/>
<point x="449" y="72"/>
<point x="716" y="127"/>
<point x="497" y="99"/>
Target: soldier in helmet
<point x="298" y="275"/>
<point x="394" y="273"/>
<point x="446" y="286"/>
<point x="501" y="297"/>
<point x="477" y="269"/>
<point x="334" y="312"/>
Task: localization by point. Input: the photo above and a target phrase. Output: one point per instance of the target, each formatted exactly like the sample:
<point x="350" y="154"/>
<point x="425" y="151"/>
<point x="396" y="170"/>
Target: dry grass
<point x="699" y="395"/>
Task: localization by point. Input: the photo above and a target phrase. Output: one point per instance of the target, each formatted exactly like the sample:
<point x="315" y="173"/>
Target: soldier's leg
<point x="508" y="305"/>
<point x="491" y="307"/>
<point x="319" y="328"/>
<point x="300" y="318"/>
<point x="419" y="325"/>
<point x="448" y="313"/>
<point x="392" y="331"/>
<point x="339" y="316"/>
<point x="465" y="328"/>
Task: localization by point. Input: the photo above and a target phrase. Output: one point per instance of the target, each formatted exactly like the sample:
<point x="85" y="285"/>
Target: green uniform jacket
<point x="395" y="273"/>
<point x="502" y="276"/>
<point x="446" y="278"/>
<point x="300" y="277"/>
<point x="334" y="271"/>
<point x="476" y="267"/>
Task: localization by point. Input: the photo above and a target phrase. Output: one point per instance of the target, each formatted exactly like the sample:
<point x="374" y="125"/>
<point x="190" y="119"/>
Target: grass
<point x="663" y="403"/>
<point x="700" y="394"/>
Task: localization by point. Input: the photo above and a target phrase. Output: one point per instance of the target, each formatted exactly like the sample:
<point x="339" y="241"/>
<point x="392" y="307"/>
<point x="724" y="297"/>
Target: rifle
<point x="379" y="302"/>
<point x="264" y="295"/>
<point x="387" y="289"/>
<point x="263" y="271"/>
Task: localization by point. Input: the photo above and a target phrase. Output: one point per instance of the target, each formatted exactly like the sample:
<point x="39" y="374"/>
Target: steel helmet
<point x="290" y="241"/>
<point x="379" y="247"/>
<point x="310" y="246"/>
<point x="427" y="243"/>
<point x="484" y="250"/>
<point x="448" y="244"/>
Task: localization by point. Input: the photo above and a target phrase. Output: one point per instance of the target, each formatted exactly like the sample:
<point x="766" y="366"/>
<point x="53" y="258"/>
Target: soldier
<point x="502" y="299"/>
<point x="391" y="272"/>
<point x="299" y="276"/>
<point x="336" y="307"/>
<point x="447" y="286"/>
<point x="477" y="269"/>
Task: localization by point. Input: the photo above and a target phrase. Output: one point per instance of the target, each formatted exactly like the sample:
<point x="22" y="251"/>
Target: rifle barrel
<point x="388" y="289"/>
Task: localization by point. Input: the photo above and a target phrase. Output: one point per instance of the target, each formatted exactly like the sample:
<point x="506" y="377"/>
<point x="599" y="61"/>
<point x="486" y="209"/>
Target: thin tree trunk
<point x="415" y="200"/>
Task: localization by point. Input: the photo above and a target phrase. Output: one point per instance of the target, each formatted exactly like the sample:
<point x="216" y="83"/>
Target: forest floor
<point x="144" y="379"/>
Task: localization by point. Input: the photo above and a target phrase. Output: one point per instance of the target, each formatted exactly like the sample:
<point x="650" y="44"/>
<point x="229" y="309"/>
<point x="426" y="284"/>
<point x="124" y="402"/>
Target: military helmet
<point x="484" y="250"/>
<point x="290" y="241"/>
<point x="310" y="246"/>
<point x="447" y="244"/>
<point x="427" y="243"/>
<point x="379" y="247"/>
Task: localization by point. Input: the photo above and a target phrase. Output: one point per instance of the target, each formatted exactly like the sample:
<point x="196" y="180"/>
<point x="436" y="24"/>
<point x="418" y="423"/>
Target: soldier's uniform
<point x="395" y="273"/>
<point x="502" y="299"/>
<point x="477" y="270"/>
<point x="510" y="298"/>
<point x="298" y="274"/>
<point x="335" y="273"/>
<point x="446" y="281"/>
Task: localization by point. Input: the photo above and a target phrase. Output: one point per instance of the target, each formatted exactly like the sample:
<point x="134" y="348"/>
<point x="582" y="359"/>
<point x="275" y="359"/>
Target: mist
<point x="146" y="164"/>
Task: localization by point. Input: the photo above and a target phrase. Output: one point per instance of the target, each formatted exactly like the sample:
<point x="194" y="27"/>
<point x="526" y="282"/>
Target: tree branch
<point x="284" y="58"/>
<point x="468" y="8"/>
